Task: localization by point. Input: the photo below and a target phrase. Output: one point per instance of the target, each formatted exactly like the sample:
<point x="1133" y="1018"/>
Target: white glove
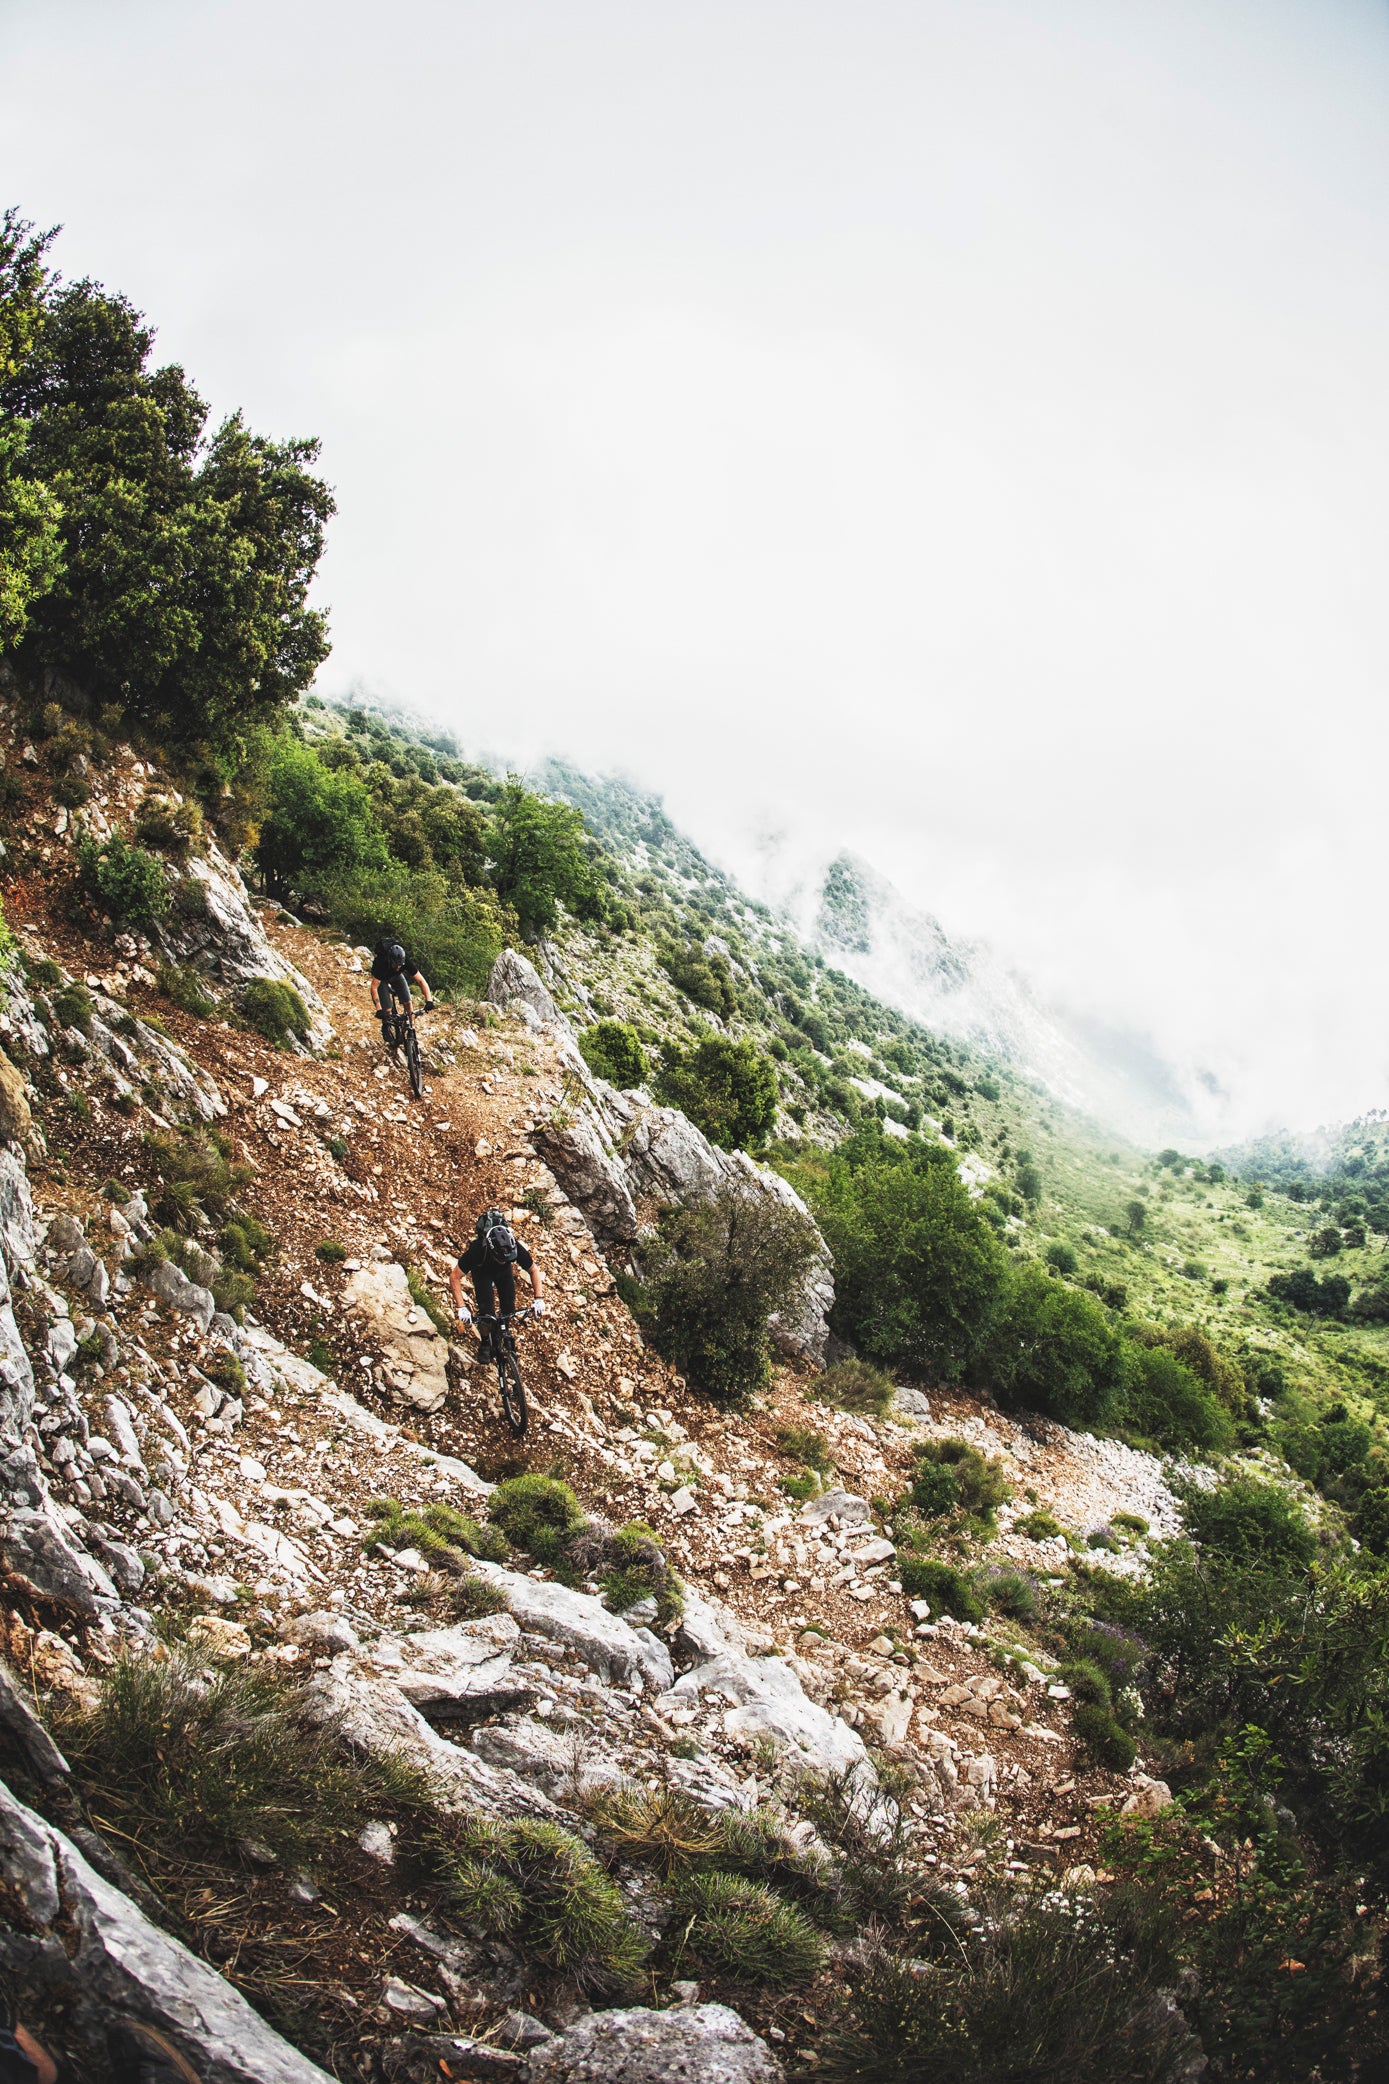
<point x="537" y="1308"/>
<point x="465" y="1316"/>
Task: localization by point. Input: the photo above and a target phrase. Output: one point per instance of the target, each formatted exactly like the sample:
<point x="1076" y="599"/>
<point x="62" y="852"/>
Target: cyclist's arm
<point x="375" y="996"/>
<point x="535" y="1279"/>
<point x="456" y="1284"/>
<point x="423" y="982"/>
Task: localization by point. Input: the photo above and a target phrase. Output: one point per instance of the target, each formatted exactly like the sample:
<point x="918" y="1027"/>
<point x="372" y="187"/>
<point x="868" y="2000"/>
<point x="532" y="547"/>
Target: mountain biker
<point x="392" y="974"/>
<point x="492" y="1259"/>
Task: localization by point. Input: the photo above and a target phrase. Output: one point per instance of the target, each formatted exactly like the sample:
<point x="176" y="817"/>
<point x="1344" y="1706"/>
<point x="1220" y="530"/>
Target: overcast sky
<point x="953" y="430"/>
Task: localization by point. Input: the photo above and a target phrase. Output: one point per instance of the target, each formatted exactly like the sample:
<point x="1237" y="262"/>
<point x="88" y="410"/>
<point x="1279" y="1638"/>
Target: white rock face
<point x="607" y="1645"/>
<point x="412" y="1352"/>
<point x="93" y="1949"/>
<point x="689" y="2044"/>
<point x="229" y="941"/>
<point x="766" y="1699"/>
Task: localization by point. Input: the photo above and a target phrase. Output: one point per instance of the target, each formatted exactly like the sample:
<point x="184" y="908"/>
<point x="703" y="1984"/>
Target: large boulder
<point x="223" y="936"/>
<point x="413" y="1355"/>
<point x="515" y="982"/>
<point x="616" y="1154"/>
<point x="690" y="2044"/>
<point x="87" y="1946"/>
<point x="766" y="1699"/>
<point x="617" y="1652"/>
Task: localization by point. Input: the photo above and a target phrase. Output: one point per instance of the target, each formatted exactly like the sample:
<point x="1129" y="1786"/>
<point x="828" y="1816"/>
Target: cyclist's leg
<point x="486" y="1305"/>
<point x="506" y="1290"/>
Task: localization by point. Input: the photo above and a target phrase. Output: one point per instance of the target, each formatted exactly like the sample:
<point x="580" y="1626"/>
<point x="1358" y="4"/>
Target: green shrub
<point x="435" y="1530"/>
<point x="1039" y="1525"/>
<point x="539" y="858"/>
<point x="542" y="1515"/>
<point x="193" y="1176"/>
<point x="744" y="1929"/>
<point x="455" y="933"/>
<point x="660" y="1827"/>
<point x="1249" y="1521"/>
<point x="715" y="1274"/>
<point x="728" y="1089"/>
<point x="123" y="880"/>
<point x="948" y="1590"/>
<point x="72" y="1007"/>
<point x="916" y="1267"/>
<point x="222" y="1367"/>
<point x="1163" y="1401"/>
<point x="631" y="1567"/>
<point x="469" y="1597"/>
<point x="539" y="1888"/>
<point x="317" y="823"/>
<point x="854" y="1385"/>
<point x="1061" y="1256"/>
<point x="185" y="989"/>
<point x="276" y="1010"/>
<point x="175" y="828"/>
<point x="980" y="1485"/>
<point x="330" y="1251"/>
<point x="1050" y="1348"/>
<point x="1110" y="1744"/>
<point x="1012" y="1592"/>
<point x="612" y="1049"/>
<point x="1087" y="1682"/>
<point x="935" y="1490"/>
<point x="180" y="1763"/>
<point x="705" y="979"/>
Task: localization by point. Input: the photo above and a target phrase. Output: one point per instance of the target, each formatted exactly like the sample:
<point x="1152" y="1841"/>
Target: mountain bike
<point x="404" y="1038"/>
<point x="508" y="1368"/>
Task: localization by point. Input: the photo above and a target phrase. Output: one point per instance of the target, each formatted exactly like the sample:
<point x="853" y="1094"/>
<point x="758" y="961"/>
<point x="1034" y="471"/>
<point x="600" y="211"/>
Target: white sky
<point x="953" y="429"/>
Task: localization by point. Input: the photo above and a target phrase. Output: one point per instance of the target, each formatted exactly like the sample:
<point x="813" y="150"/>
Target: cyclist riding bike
<point x="392" y="974"/>
<point x="492" y="1259"/>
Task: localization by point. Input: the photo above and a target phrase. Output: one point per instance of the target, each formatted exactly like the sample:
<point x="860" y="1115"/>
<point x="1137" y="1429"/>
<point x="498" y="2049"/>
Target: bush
<point x="539" y="1888"/>
<point x="317" y="823"/>
<point x="707" y="980"/>
<point x="854" y="1385"/>
<point x="935" y="1491"/>
<point x="330" y="1251"/>
<point x="916" y="1267"/>
<point x="539" y="857"/>
<point x="1087" y="1682"/>
<point x="980" y="1484"/>
<point x="176" y="828"/>
<point x="436" y="1530"/>
<point x="276" y="1010"/>
<point x="633" y="1567"/>
<point x="1050" y="1348"/>
<point x="72" y="1007"/>
<point x="182" y="1763"/>
<point x="1249" y="1521"/>
<point x="948" y="1590"/>
<point x="185" y="989"/>
<point x="1014" y="1593"/>
<point x="1109" y="1743"/>
<point x="612" y="1049"/>
<point x="541" y="1515"/>
<point x="1039" y="1525"/>
<point x="454" y="933"/>
<point x="716" y="1273"/>
<point x="1164" y="1402"/>
<point x="1061" y="1256"/>
<point x="123" y="880"/>
<point x="193" y="1174"/>
<point x="1037" y="1992"/>
<point x="744" y="1929"/>
<point x="728" y="1089"/>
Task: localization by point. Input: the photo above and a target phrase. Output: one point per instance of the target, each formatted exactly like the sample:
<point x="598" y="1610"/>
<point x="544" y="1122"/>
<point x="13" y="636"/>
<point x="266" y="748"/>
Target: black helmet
<point x="497" y="1236"/>
<point x="395" y="956"/>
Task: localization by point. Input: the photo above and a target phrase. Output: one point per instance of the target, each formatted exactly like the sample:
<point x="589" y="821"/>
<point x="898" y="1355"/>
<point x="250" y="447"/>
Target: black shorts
<point x="496" y="1292"/>
<point x="395" y="988"/>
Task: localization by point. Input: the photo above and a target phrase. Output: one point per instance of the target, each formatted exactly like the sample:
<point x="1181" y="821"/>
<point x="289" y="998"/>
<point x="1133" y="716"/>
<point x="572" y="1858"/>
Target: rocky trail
<point x="154" y="1490"/>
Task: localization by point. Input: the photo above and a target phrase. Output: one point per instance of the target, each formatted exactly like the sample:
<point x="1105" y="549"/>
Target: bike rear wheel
<point x="513" y="1392"/>
<point x="413" y="1064"/>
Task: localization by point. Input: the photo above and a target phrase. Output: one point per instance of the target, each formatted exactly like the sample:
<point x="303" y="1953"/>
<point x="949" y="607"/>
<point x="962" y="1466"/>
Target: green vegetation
<point x="744" y="1929"/>
<point x="854" y="1385"/>
<point x="539" y="1887"/>
<point x="436" y="1530"/>
<point x="276" y="1011"/>
<point x="123" y="880"/>
<point x="715" y="1274"/>
<point x="542" y="1515"/>
<point x="949" y="1591"/>
<point x="728" y="1089"/>
<point x="612" y="1048"/>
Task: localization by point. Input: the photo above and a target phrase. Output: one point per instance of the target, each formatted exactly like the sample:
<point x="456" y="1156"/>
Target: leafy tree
<point x="717" y="1272"/>
<point x="917" y="1269"/>
<point x="1325" y="1298"/>
<point x="1050" y="1348"/>
<point x="1325" y="1243"/>
<point x="455" y="934"/>
<point x="1061" y="1256"/>
<point x="1135" y="1216"/>
<point x="318" y="823"/>
<point x="539" y="859"/>
<point x="728" y="1089"/>
<point x="186" y="560"/>
<point x="1164" y="1401"/>
<point x="613" y="1049"/>
<point x="30" y="552"/>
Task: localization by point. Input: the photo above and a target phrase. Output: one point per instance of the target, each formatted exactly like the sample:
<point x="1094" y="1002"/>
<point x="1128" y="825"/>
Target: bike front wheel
<point x="413" y="1064"/>
<point x="513" y="1393"/>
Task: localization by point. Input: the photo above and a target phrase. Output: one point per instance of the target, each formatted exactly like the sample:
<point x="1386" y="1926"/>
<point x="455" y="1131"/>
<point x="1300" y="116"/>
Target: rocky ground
<point x="238" y="1516"/>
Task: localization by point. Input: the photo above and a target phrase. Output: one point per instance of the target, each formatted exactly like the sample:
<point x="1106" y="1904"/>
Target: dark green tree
<point x="728" y="1089"/>
<point x="539" y="857"/>
<point x="318" y="823"/>
<point x="1051" y="1348"/>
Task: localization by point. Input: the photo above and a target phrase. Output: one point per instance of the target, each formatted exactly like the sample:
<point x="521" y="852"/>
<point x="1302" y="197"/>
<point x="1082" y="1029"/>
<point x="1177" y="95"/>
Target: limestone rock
<point x="173" y="1287"/>
<point x="690" y="2044"/>
<point x="323" y="1631"/>
<point x="40" y="1556"/>
<point x="16" y="1122"/>
<point x="515" y="982"/>
<point x="607" y="1645"/>
<point x="766" y="1699"/>
<point x="413" y="1354"/>
<point x="225" y="937"/>
<point x="852" y="1511"/>
<point x="448" y="1673"/>
<point x="88" y="1946"/>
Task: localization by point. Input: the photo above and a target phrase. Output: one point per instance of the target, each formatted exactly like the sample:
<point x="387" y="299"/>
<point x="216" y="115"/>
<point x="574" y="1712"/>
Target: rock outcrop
<point x="76" y="1936"/>
<point x="222" y="935"/>
<point x="413" y="1355"/>
<point x="618" y="1157"/>
<point x="690" y="2044"/>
